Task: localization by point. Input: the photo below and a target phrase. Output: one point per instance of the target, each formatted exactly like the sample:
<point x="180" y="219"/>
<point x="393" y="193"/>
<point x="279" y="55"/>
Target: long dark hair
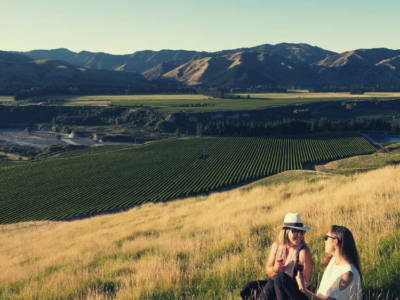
<point x="347" y="245"/>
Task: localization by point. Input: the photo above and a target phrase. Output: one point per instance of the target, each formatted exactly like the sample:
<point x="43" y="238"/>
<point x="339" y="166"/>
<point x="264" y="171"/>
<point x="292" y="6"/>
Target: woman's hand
<point x="278" y="266"/>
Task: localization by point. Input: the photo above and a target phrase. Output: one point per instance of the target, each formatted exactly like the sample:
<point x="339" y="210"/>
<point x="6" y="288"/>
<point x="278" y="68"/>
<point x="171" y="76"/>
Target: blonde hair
<point x="283" y="237"/>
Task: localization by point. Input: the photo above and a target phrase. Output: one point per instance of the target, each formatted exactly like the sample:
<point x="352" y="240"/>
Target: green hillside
<point x="71" y="187"/>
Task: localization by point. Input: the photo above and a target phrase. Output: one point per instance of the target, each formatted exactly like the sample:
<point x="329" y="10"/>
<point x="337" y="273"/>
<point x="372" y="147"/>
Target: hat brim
<point x="305" y="228"/>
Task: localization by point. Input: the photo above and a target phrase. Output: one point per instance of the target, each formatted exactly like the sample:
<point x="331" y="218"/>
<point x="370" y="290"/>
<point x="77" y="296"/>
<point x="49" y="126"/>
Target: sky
<point x="126" y="26"/>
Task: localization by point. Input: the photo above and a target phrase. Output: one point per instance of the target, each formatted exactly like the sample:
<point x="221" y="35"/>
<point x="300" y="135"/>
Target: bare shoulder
<point x="275" y="244"/>
<point x="305" y="252"/>
<point x="274" y="247"/>
<point x="346" y="280"/>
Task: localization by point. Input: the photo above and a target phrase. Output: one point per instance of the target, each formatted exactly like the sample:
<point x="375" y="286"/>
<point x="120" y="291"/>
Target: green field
<point x="6" y="98"/>
<point x="160" y="171"/>
<point x="92" y="150"/>
<point x="11" y="163"/>
<point x="104" y="100"/>
<point x="200" y="103"/>
<point x="389" y="155"/>
<point x="304" y="94"/>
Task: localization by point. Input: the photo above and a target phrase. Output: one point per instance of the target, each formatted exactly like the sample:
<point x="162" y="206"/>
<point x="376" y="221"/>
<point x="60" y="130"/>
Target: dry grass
<point x="203" y="247"/>
<point x="6" y="98"/>
<point x="298" y="94"/>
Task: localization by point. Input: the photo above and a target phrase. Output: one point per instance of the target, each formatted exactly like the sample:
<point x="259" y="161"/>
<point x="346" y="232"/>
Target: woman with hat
<point x="287" y="252"/>
<point x="341" y="279"/>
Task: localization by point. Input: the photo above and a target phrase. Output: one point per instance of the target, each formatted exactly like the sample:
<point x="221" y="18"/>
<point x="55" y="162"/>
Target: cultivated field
<point x="131" y="100"/>
<point x="204" y="248"/>
<point x="199" y="103"/>
<point x="160" y="171"/>
<point x="6" y="98"/>
<point x="93" y="150"/>
<point x="304" y="94"/>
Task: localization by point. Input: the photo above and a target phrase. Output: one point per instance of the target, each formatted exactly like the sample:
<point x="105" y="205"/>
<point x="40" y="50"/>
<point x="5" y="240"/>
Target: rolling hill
<point x="242" y="69"/>
<point x="19" y="70"/>
<point x="205" y="247"/>
<point x="369" y="67"/>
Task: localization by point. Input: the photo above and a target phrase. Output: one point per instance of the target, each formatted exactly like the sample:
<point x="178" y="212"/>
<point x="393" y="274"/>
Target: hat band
<point x="293" y="224"/>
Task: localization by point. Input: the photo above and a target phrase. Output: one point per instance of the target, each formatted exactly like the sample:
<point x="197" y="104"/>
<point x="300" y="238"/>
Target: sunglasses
<point x="298" y="232"/>
<point x="330" y="237"/>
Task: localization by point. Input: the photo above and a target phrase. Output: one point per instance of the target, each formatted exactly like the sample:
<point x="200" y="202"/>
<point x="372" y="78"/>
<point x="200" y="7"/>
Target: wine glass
<point x="281" y="256"/>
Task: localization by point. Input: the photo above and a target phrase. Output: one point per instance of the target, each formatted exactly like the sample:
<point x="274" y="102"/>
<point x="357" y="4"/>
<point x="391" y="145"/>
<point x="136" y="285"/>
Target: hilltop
<point x="205" y="247"/>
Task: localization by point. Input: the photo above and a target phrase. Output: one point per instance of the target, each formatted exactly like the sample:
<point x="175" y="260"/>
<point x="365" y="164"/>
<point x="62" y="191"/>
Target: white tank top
<point x="330" y="282"/>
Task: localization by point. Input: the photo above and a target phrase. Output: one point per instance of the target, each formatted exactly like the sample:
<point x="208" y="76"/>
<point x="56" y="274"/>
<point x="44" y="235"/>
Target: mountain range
<point x="283" y="64"/>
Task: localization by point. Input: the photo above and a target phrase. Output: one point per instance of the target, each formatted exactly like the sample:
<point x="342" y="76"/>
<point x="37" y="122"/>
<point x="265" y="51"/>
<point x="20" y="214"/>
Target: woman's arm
<point x="345" y="281"/>
<point x="306" y="260"/>
<point x="272" y="268"/>
<point x="302" y="287"/>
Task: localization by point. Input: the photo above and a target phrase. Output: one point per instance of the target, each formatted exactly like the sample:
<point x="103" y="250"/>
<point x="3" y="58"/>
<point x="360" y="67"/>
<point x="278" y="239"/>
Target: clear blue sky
<point x="126" y="26"/>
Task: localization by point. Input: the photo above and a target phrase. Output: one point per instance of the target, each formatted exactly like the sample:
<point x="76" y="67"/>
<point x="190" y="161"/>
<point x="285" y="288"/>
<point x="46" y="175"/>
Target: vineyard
<point x="94" y="183"/>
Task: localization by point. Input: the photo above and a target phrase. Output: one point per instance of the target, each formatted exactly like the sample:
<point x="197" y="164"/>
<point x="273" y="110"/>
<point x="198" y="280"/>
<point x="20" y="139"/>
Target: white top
<point x="330" y="282"/>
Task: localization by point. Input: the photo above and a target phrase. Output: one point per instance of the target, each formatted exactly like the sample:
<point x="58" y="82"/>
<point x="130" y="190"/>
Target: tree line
<point x="291" y="126"/>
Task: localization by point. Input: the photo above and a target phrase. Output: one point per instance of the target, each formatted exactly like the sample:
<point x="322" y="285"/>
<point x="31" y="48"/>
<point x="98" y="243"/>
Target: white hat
<point x="294" y="221"/>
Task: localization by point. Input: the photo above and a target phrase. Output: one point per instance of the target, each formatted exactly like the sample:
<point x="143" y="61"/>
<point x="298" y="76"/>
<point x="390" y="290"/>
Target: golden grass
<point x="12" y="156"/>
<point x="205" y="247"/>
<point x="299" y="94"/>
<point x="6" y="98"/>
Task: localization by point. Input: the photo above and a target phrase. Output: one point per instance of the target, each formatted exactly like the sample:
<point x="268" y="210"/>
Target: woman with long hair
<point x="286" y="253"/>
<point x="341" y="279"/>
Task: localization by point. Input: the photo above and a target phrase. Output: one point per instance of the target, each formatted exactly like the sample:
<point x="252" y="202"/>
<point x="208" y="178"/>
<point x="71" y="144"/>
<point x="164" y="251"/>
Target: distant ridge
<point x="137" y="62"/>
<point x="286" y="64"/>
<point x="10" y="58"/>
<point x="141" y="61"/>
<point x="369" y="67"/>
<point x="19" y="70"/>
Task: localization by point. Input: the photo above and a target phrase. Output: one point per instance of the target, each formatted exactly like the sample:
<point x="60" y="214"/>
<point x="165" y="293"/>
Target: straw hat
<point x="294" y="221"/>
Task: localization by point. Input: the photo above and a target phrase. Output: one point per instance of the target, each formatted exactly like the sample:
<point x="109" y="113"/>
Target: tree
<point x="199" y="131"/>
<point x="178" y="132"/>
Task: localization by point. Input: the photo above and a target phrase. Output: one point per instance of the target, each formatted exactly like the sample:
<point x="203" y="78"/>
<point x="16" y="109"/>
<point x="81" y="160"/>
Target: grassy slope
<point x="203" y="247"/>
<point x="348" y="166"/>
<point x="11" y="163"/>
